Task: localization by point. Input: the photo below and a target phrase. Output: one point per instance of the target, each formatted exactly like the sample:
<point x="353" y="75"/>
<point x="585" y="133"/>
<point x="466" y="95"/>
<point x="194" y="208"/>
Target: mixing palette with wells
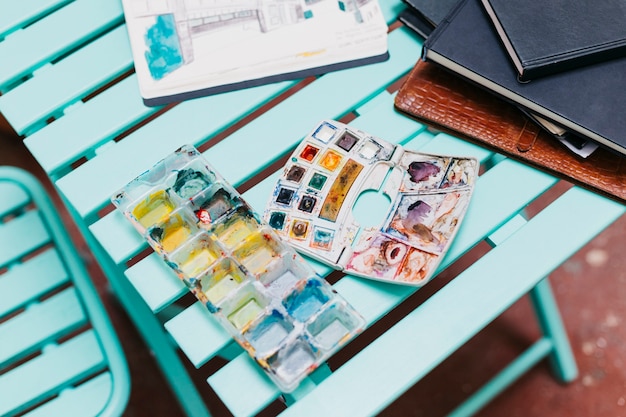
<point x="257" y="286"/>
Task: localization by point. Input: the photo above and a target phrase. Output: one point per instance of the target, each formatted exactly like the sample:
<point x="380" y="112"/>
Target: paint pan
<point x="258" y="251"/>
<point x="269" y="333"/>
<point x="243" y="306"/>
<point x="294" y="360"/>
<point x="307" y="299"/>
<point x="154" y="209"/>
<point x="191" y="180"/>
<point x="211" y="204"/>
<point x="219" y="281"/>
<point x="334" y="325"/>
<point x="195" y="256"/>
<point x="277" y="220"/>
<point x="236" y="228"/>
<point x="284" y="275"/>
<point x="167" y="236"/>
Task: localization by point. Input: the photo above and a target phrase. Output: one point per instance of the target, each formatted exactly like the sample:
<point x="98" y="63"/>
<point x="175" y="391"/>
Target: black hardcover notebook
<point x="547" y="36"/>
<point x="588" y="101"/>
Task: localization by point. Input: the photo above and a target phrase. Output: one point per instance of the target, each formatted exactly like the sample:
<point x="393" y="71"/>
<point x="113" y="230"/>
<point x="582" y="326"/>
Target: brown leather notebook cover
<point x="447" y="102"/>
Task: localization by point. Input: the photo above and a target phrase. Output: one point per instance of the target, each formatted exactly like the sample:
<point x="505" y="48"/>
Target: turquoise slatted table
<point x="75" y="101"/>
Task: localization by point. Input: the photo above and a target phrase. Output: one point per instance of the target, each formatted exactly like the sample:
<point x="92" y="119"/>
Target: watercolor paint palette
<point x="314" y="204"/>
<point x="256" y="285"/>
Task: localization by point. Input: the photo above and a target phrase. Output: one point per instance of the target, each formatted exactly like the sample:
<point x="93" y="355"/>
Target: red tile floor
<point x="590" y="289"/>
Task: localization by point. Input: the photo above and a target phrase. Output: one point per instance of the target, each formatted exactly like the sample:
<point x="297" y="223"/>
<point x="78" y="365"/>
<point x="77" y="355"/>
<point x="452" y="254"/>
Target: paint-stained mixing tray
<point x="368" y="207"/>
<point x="257" y="286"/>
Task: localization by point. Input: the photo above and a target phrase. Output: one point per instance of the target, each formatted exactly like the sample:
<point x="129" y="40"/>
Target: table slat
<point x="42" y="42"/>
<point x="199" y="336"/>
<point x="259" y="390"/>
<point x="391" y="9"/>
<point x="155" y="281"/>
<point x="67" y="81"/>
<point x="88" y="126"/>
<point x="16" y="14"/>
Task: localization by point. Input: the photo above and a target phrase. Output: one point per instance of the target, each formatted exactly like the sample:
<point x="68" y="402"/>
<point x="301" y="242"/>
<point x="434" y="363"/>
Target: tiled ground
<point x="590" y="289"/>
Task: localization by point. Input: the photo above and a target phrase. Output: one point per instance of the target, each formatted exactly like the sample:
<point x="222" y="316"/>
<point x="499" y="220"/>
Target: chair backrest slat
<point x="13" y="198"/>
<point x="30" y="280"/>
<point x="39" y="324"/>
<point x="87" y="399"/>
<point x="49" y="373"/>
<point x="21" y="235"/>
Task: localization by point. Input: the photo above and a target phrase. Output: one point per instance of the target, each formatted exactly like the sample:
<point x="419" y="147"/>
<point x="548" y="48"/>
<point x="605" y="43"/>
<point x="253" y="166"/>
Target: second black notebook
<point x="423" y="16"/>
<point x="547" y="36"/>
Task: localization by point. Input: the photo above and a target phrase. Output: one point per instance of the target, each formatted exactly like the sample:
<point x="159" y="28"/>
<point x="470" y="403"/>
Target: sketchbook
<point x="186" y="49"/>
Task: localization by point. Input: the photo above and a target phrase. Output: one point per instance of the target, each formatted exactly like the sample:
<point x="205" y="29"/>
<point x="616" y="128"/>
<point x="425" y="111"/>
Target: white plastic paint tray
<point x="258" y="287"/>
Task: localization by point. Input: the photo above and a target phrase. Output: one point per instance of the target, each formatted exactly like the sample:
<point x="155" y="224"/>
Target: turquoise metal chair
<point x="59" y="355"/>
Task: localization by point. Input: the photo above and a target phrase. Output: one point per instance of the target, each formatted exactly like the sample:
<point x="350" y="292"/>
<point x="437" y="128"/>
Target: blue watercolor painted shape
<point x="164" y="53"/>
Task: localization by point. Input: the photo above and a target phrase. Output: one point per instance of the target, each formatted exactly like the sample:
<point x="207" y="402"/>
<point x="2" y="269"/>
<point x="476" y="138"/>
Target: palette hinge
<point x="397" y="155"/>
